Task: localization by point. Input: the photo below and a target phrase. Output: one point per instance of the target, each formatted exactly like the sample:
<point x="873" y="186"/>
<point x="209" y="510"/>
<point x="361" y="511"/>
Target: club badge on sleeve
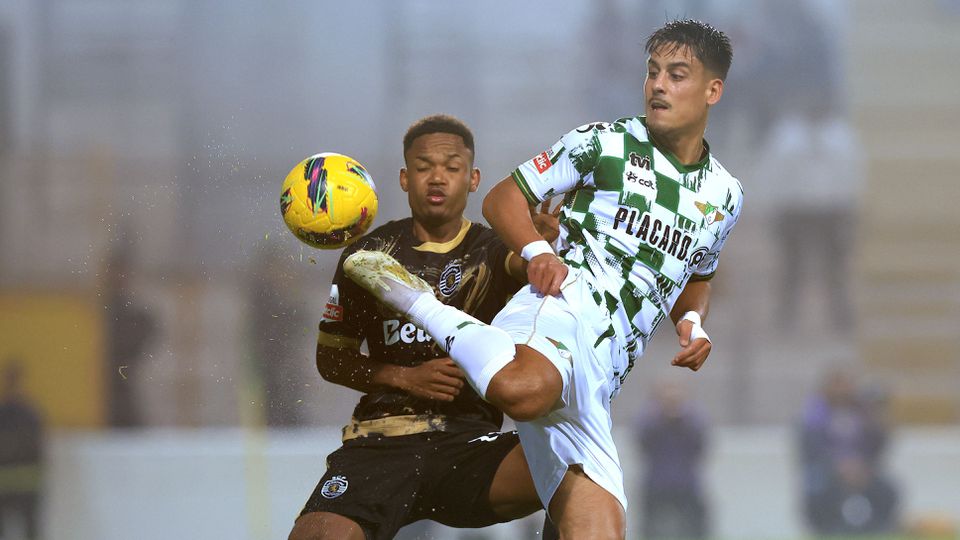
<point x="334" y="487"/>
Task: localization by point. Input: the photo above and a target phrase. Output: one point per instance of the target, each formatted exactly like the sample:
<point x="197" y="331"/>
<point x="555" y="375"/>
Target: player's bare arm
<point x="694" y="298"/>
<point x="439" y="379"/>
<point x="507" y="211"/>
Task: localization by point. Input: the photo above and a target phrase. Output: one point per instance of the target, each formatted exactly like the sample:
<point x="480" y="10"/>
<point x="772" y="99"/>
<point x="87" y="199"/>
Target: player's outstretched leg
<point x="385" y="278"/>
<point x="481" y="350"/>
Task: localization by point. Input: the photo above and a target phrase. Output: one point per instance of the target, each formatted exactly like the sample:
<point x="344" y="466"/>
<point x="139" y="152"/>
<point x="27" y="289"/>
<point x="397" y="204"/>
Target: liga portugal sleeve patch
<point x="542" y="162"/>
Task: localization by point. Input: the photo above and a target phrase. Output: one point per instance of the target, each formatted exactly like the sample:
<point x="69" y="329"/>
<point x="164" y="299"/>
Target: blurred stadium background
<point x="164" y="319"/>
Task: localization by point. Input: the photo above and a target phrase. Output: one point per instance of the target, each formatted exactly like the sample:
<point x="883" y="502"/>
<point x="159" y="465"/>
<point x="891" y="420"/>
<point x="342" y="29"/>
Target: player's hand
<point x="545" y="273"/>
<point x="547" y="221"/>
<point x="438" y="379"/>
<point x="692" y="353"/>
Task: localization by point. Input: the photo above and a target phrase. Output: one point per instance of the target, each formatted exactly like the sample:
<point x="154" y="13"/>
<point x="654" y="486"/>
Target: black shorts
<point x="384" y="483"/>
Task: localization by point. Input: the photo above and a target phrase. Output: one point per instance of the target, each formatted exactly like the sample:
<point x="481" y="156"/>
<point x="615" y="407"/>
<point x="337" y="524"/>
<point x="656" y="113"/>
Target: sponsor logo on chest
<point x="638" y="175"/>
<point x="395" y="331"/>
<point x="654" y="232"/>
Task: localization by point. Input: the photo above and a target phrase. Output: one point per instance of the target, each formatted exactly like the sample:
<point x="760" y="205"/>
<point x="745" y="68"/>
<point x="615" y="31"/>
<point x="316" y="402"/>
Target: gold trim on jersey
<point x="393" y="426"/>
<point x="506" y="267"/>
<point x="446" y="247"/>
<point x="337" y="342"/>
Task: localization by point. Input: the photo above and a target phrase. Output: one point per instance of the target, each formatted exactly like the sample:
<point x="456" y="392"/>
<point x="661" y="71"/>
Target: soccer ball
<point x="328" y="200"/>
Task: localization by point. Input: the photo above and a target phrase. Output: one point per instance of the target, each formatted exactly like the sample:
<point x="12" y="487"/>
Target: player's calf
<point x="582" y="509"/>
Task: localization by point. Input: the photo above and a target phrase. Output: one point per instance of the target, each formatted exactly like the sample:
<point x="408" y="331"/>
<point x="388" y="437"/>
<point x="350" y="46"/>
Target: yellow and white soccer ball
<point x="328" y="200"/>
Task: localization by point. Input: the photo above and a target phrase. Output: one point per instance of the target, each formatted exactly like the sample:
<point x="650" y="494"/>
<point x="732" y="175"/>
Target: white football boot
<point x="386" y="279"/>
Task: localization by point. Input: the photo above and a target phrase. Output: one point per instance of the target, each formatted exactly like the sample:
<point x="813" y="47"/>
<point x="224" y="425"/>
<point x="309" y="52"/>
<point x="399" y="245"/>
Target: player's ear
<point x="714" y="91"/>
<point x="474" y="180"/>
<point x="403" y="179"/>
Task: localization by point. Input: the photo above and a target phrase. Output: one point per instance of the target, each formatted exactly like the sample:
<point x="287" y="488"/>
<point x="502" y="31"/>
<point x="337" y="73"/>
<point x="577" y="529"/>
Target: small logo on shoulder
<point x="542" y="162"/>
<point x="334" y="487"/>
<point x="333" y="311"/>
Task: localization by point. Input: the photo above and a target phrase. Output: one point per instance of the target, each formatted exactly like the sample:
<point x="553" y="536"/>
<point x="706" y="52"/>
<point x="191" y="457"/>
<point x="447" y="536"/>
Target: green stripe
<point x="635" y="200"/>
<point x="685" y="223"/>
<point x="668" y="193"/>
<point x="583" y="199"/>
<point x="665" y="286"/>
<point x="524" y="187"/>
<point x="650" y="256"/>
<point x="631" y="300"/>
<point x="590" y="222"/>
<point x="608" y="174"/>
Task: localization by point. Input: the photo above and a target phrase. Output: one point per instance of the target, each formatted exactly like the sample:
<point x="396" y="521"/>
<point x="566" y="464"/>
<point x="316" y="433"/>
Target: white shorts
<point x="578" y="431"/>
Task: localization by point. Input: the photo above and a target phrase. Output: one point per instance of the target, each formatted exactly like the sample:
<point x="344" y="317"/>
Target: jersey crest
<point x="710" y="212"/>
<point x="334" y="487"/>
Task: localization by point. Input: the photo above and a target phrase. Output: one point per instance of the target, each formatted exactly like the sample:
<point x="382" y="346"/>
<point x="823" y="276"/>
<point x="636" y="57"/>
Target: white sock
<point x="479" y="349"/>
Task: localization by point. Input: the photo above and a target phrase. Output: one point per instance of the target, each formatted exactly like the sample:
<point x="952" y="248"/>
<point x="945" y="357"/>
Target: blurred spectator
<point x="615" y="68"/>
<point x="672" y="437"/>
<point x="278" y="320"/>
<point x="21" y="445"/>
<point x="843" y="437"/>
<point x="129" y="329"/>
<point x="810" y="155"/>
<point x="817" y="163"/>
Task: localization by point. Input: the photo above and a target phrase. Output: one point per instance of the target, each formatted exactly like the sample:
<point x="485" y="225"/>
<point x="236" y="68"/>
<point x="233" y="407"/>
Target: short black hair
<point x="438" y="123"/>
<point x="709" y="45"/>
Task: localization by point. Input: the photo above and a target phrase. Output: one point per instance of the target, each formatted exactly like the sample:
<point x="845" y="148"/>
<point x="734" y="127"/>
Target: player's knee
<point x="524" y="394"/>
<point x="525" y="411"/>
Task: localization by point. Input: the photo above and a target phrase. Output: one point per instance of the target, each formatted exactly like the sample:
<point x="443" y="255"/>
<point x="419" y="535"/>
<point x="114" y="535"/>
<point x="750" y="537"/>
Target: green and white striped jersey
<point x="639" y="223"/>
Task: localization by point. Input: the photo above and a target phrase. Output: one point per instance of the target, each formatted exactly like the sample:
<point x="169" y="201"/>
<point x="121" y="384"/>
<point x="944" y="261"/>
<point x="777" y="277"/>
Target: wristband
<point x="697" y="331"/>
<point x="692" y="316"/>
<point x="537" y="247"/>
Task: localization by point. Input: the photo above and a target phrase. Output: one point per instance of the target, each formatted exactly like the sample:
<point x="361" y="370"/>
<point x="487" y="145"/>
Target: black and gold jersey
<point x="468" y="272"/>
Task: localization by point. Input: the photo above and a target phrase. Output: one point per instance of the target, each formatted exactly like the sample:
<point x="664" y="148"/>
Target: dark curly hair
<point x="438" y="123"/>
<point x="709" y="45"/>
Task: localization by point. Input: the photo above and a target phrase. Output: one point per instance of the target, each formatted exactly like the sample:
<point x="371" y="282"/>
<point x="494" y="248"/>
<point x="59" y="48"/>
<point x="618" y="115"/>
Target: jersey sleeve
<point x="341" y="325"/>
<point x="708" y="266"/>
<point x="564" y="167"/>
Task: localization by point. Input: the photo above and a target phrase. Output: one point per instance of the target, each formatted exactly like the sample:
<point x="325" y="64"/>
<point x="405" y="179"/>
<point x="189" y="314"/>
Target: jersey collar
<point x="672" y="158"/>
<point x="446" y="247"/>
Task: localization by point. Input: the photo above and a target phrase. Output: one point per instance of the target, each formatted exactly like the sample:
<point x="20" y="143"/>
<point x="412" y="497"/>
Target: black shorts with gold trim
<point x="384" y="482"/>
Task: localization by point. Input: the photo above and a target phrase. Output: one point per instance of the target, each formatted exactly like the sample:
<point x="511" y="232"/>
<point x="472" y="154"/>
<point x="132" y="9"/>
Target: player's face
<point x="678" y="92"/>
<point x="438" y="176"/>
